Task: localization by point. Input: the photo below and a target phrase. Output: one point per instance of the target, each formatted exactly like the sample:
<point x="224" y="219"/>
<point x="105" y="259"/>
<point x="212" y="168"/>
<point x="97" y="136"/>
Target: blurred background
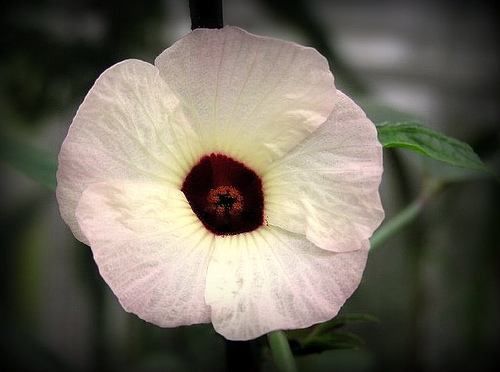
<point x="434" y="287"/>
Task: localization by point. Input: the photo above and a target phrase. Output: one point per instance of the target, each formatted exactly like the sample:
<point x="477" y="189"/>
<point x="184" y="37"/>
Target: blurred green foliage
<point x="51" y="53"/>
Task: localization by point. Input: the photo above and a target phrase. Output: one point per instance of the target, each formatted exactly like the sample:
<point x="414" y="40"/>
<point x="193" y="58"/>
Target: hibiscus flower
<point x="230" y="183"/>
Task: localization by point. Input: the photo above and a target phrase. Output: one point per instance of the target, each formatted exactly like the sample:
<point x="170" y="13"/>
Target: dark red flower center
<point x="225" y="194"/>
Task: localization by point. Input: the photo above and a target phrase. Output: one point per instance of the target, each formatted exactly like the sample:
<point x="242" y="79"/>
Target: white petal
<point x="327" y="187"/>
<point x="251" y="97"/>
<point x="150" y="248"/>
<point x="271" y="279"/>
<point x="128" y="128"/>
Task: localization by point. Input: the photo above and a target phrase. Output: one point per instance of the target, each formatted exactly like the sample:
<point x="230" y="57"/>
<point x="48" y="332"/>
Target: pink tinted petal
<point x="327" y="187"/>
<point x="129" y="127"/>
<point x="272" y="279"/>
<point x="251" y="97"/>
<point x="150" y="249"/>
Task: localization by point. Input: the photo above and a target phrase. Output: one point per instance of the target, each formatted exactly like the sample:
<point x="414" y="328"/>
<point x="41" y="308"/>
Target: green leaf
<point x="342" y="320"/>
<point x="333" y="341"/>
<point x="430" y="143"/>
<point x="328" y="336"/>
<point x="38" y="165"/>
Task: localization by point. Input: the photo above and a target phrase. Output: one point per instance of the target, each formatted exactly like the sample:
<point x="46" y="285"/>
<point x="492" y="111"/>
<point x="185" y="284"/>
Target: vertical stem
<point x="206" y="14"/>
<point x="401" y="220"/>
<point x="240" y="357"/>
<point x="280" y="349"/>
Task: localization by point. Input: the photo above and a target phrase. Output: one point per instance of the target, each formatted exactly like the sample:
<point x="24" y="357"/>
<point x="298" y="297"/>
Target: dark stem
<point x="240" y="356"/>
<point x="206" y="14"/>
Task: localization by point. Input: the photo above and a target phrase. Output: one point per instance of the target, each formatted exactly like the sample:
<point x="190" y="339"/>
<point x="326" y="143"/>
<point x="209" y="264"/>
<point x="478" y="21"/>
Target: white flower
<point x="229" y="183"/>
